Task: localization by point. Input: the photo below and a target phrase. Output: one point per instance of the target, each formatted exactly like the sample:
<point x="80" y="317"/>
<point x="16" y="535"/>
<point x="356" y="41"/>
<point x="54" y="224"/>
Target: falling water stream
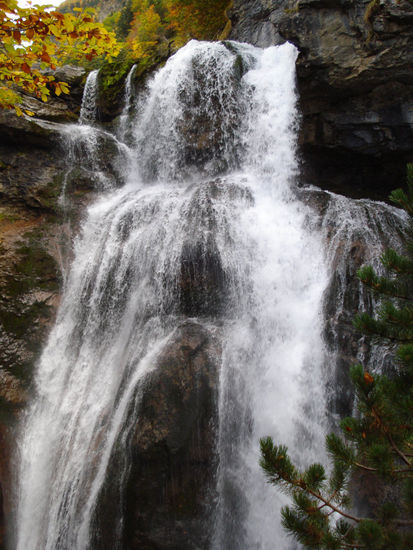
<point x="212" y="165"/>
<point x="88" y="111"/>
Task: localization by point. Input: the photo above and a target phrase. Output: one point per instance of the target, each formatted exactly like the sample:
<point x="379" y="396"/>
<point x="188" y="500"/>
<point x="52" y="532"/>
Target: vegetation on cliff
<point x="148" y="27"/>
<point x="147" y="21"/>
<point x="376" y="441"/>
<point x="38" y="38"/>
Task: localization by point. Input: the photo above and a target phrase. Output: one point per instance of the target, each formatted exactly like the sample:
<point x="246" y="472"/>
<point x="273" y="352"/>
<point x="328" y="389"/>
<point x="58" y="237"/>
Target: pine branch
<point x="397" y="450"/>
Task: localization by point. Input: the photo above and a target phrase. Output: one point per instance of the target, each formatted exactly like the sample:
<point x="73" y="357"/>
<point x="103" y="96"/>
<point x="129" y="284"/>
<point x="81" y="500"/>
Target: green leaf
<point x="314" y="477"/>
<point x="370" y="534"/>
<point x="276" y="463"/>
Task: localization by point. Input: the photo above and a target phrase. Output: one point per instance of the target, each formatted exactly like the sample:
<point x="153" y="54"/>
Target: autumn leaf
<point x="35" y="34"/>
<point x="45" y="57"/>
<point x="368" y="378"/>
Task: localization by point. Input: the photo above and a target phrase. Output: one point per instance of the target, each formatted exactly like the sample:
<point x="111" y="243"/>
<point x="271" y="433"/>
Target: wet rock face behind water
<point x="35" y="236"/>
<point x="355" y="82"/>
<point x="355" y="234"/>
<point x="173" y="461"/>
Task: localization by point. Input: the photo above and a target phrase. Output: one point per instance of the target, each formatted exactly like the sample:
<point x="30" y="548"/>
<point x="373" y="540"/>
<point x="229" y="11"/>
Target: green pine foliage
<point x="378" y="440"/>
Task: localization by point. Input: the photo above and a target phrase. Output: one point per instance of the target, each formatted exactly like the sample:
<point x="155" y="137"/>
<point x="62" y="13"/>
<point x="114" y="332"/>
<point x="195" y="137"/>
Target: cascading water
<point x="124" y="118"/>
<point x="88" y="110"/>
<point x="94" y="155"/>
<point x="213" y="172"/>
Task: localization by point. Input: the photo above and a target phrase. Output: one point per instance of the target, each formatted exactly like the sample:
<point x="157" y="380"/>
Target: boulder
<point x="26" y="131"/>
<point x="173" y="459"/>
<point x="163" y="493"/>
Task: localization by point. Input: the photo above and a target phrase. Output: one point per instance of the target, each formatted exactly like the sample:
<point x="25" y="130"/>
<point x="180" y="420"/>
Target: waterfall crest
<point x="209" y="181"/>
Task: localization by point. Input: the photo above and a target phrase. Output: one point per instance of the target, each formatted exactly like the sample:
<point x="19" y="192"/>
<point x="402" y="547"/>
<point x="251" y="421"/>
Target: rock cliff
<point x="355" y="82"/>
<point x="356" y="92"/>
<point x="34" y="233"/>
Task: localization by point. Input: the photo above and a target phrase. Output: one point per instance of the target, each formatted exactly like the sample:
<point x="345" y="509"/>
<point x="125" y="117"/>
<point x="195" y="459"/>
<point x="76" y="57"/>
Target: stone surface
<point x="348" y="246"/>
<point x="35" y="237"/>
<point x="170" y="460"/>
<point x="355" y="82"/>
<point x="173" y="458"/>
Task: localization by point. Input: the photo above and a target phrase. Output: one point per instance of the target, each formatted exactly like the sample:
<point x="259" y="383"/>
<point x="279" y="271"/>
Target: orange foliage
<point x="200" y="19"/>
<point x="146" y="30"/>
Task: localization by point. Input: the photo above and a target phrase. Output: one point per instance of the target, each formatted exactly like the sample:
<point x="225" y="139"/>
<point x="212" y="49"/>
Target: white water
<point x="88" y="110"/>
<point x="128" y="95"/>
<point x="200" y="118"/>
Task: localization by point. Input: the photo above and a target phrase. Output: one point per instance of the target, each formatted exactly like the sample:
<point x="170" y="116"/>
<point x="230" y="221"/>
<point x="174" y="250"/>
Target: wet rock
<point x="355" y="83"/>
<point x="173" y="457"/>
<point x="30" y="178"/>
<point x="53" y="110"/>
<point x="25" y="130"/>
<point x="203" y="283"/>
<point x="347" y="250"/>
<point x="202" y="280"/>
<point x="97" y="159"/>
<point x="35" y="238"/>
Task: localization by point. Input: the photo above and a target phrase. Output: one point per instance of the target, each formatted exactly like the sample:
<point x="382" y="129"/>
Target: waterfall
<point x="213" y="175"/>
<point x="127" y="103"/>
<point x="88" y="110"/>
<point x="94" y="155"/>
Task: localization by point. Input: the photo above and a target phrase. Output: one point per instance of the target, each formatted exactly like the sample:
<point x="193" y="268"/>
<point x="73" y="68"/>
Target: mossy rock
<point x="112" y="78"/>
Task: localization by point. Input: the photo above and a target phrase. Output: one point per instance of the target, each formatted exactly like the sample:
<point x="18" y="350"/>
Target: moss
<point x="228" y="25"/>
<point x="113" y="74"/>
<point x="372" y="9"/>
<point x="8" y="217"/>
<point x="49" y="195"/>
<point x="293" y="10"/>
<point x="239" y="67"/>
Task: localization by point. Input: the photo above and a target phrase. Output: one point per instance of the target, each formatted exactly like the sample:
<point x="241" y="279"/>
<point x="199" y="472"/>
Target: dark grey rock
<point x="171" y="454"/>
<point x="173" y="445"/>
<point x="355" y="83"/>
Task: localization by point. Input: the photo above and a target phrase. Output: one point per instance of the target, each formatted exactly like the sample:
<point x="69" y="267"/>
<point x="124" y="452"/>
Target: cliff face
<point x="356" y="91"/>
<point x="355" y="82"/>
<point x="35" y="232"/>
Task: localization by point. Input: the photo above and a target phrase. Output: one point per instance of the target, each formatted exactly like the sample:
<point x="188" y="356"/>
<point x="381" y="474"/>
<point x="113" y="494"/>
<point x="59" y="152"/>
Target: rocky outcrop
<point x="355" y="233"/>
<point x="355" y="83"/>
<point x="171" y="458"/>
<point x="35" y="231"/>
<point x="173" y="461"/>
